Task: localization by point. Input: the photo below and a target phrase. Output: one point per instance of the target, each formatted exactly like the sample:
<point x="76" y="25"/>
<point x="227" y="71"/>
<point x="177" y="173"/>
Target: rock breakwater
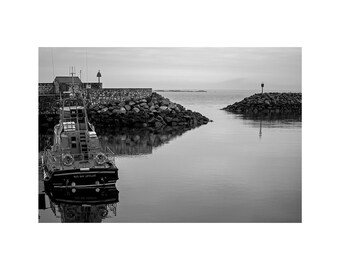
<point x="268" y="103"/>
<point x="153" y="112"/>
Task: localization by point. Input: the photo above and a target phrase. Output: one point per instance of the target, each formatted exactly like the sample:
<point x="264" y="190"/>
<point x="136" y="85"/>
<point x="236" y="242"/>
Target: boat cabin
<point x="75" y="135"/>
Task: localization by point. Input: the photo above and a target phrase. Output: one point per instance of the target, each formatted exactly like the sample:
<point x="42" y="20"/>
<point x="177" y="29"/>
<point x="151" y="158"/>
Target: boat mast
<point x="72" y="73"/>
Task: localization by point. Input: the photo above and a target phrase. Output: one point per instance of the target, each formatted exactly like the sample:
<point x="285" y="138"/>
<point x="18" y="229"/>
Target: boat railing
<point x="110" y="155"/>
<point x="51" y="159"/>
<point x="58" y="159"/>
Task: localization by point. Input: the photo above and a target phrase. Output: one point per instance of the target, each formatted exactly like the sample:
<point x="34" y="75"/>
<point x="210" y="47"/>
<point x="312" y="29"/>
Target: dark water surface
<point x="235" y="169"/>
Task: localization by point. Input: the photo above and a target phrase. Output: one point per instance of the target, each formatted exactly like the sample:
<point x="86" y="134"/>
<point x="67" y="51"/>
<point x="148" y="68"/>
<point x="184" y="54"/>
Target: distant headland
<point x="180" y="91"/>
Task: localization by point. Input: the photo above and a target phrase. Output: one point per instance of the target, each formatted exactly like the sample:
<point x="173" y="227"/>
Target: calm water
<point x="231" y="170"/>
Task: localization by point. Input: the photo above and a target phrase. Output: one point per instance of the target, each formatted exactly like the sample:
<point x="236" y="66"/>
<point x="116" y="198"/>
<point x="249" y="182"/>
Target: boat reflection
<point x="130" y="142"/>
<point x="83" y="205"/>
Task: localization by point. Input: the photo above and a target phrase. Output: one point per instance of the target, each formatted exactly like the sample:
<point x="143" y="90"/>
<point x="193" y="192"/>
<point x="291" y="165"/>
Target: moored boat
<point x="76" y="160"/>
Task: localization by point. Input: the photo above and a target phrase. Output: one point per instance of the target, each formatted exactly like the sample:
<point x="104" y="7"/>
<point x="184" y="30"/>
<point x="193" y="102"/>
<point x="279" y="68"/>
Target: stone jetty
<point x="153" y="112"/>
<point x="268" y="103"/>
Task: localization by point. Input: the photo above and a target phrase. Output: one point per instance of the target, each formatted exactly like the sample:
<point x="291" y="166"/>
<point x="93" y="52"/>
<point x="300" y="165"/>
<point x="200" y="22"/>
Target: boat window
<point x="67" y="114"/>
<point x="69" y="126"/>
<point x="92" y="134"/>
<point x="73" y="142"/>
<point x="73" y="113"/>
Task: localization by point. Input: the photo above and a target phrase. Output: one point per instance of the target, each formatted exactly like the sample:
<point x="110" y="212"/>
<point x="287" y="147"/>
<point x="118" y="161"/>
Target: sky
<point x="178" y="68"/>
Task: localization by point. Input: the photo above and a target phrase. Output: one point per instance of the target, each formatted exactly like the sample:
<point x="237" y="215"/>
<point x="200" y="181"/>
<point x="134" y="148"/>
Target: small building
<point x="63" y="84"/>
<point x="92" y="85"/>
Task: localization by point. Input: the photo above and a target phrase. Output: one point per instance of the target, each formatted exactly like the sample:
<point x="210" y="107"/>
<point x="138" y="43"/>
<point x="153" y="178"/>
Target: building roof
<point x="67" y="79"/>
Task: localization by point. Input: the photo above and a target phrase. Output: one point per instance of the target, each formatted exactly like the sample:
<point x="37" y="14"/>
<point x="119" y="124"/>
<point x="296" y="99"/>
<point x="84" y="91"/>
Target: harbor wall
<point x="46" y="88"/>
<point x="97" y="95"/>
<point x="108" y="95"/>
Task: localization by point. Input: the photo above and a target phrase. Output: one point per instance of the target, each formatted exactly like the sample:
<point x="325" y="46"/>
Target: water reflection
<point x="45" y="140"/>
<point x="85" y="205"/>
<point x="271" y="120"/>
<point x="260" y="121"/>
<point x="127" y="142"/>
<point x="285" y="121"/>
<point x="138" y="141"/>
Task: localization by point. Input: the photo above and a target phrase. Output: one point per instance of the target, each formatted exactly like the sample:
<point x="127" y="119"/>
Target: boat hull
<point x="82" y="179"/>
<point x="107" y="195"/>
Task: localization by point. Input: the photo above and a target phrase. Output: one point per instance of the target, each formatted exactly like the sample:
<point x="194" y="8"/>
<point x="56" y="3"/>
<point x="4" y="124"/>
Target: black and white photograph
<point x="181" y="134"/>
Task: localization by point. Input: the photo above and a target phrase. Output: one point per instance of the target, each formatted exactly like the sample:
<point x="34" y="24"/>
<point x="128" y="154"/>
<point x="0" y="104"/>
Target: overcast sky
<point x="178" y="68"/>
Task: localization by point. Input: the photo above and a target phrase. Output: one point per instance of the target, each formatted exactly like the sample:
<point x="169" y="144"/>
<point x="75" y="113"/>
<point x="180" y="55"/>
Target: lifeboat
<point x="75" y="160"/>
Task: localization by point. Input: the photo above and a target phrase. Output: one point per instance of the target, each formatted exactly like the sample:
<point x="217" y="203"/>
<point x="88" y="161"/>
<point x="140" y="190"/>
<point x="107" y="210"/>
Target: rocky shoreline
<point x="154" y="112"/>
<point x="268" y="103"/>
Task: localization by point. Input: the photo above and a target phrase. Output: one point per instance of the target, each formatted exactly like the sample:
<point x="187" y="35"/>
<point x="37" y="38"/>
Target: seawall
<point x="109" y="95"/>
<point x="48" y="98"/>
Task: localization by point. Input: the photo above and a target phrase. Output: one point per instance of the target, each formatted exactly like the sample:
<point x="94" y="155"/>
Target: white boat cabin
<point x="74" y="134"/>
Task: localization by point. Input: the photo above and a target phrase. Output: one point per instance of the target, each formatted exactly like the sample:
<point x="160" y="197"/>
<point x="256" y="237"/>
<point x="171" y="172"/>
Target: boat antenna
<point x="52" y="62"/>
<point x="87" y="72"/>
<point x="72" y="73"/>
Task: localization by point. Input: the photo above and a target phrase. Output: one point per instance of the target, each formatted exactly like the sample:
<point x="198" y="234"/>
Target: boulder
<point x="172" y="105"/>
<point x="136" y="110"/>
<point x="165" y="102"/>
<point x="158" y="124"/>
<point x="168" y="119"/>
